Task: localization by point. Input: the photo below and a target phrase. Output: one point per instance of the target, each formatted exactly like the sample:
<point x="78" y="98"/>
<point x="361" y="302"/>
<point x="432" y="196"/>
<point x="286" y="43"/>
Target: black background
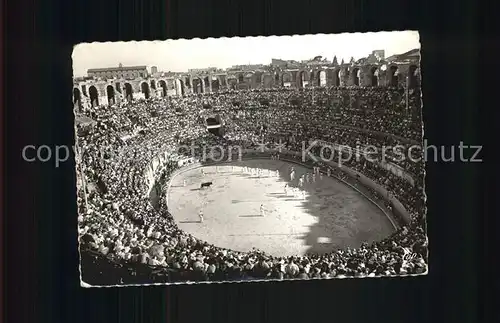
<point x="41" y="259"/>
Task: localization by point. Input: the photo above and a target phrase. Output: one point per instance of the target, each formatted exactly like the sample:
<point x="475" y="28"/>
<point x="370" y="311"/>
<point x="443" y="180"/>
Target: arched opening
<point x="77" y="97"/>
<point x="287" y="79"/>
<point x="153" y="84"/>
<point x="322" y="78"/>
<point x="213" y="126"/>
<point x="186" y="82"/>
<point x="206" y="82"/>
<point x="179" y="87"/>
<point x="241" y="78"/>
<point x="374" y="76"/>
<point x="197" y="85"/>
<point x="393" y="76"/>
<point x="145" y="90"/>
<point x="223" y="81"/>
<point x="212" y="122"/>
<point x="215" y="84"/>
<point x="110" y="91"/>
<point x="231" y="82"/>
<point x="355" y="76"/>
<point x="336" y="78"/>
<point x="163" y="86"/>
<point x="94" y="96"/>
<point x="248" y="80"/>
<point x="302" y="79"/>
<point x="128" y="92"/>
<point x="412" y="77"/>
<point x="268" y="81"/>
<point x="277" y="79"/>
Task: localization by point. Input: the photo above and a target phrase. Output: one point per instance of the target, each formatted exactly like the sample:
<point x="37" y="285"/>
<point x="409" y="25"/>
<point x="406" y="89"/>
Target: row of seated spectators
<point x="117" y="219"/>
<point x="379" y="109"/>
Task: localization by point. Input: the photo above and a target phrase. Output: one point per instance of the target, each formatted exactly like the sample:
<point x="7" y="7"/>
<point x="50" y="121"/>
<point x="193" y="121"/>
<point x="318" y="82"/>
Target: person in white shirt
<point x="200" y="214"/>
<point x="262" y="211"/>
<point x="286" y="189"/>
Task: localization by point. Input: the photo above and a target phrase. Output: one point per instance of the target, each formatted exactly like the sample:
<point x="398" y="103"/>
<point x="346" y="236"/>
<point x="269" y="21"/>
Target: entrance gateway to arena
<point x="214" y="125"/>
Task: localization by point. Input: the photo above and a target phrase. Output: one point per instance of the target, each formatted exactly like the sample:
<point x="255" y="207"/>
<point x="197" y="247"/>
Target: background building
<point x="126" y="72"/>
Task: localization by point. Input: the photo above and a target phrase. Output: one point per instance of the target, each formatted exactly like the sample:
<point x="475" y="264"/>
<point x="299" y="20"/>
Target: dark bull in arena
<point x="206" y="184"/>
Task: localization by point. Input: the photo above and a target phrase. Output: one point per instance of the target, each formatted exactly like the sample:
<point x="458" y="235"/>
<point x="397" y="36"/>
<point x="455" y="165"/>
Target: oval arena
<point x="140" y="196"/>
<point x="320" y="217"/>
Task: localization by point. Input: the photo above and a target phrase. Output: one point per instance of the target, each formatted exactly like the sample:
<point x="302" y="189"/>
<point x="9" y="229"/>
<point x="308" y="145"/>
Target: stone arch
<point x="94" y="95"/>
<point x="286" y="79"/>
<point x="163" y="86"/>
<point x="393" y="75"/>
<point x="337" y="77"/>
<point x="77" y="96"/>
<point x="170" y="84"/>
<point x="374" y="76"/>
<point x="145" y="90"/>
<point x="110" y="93"/>
<point x="179" y="87"/>
<point x="344" y="74"/>
<point x="267" y="81"/>
<point x="232" y="82"/>
<point x="222" y="80"/>
<point x="241" y="78"/>
<point x="215" y="82"/>
<point x="322" y="78"/>
<point x="412" y="76"/>
<point x="129" y="93"/>
<point x="303" y="79"/>
<point x="197" y="85"/>
<point x="355" y="76"/>
<point x="206" y="82"/>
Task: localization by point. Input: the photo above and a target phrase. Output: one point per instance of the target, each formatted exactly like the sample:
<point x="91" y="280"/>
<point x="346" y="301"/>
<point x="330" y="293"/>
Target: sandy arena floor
<point x="332" y="215"/>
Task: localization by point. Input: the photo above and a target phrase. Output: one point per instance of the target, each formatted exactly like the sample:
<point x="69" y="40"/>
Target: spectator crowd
<point x="128" y="236"/>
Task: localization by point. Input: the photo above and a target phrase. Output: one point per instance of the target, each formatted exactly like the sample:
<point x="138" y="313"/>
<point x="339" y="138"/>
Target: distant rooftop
<point x="408" y="55"/>
<point x="120" y="68"/>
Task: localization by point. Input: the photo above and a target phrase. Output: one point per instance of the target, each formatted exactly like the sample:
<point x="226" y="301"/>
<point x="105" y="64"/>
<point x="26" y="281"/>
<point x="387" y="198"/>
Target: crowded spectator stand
<point x="128" y="153"/>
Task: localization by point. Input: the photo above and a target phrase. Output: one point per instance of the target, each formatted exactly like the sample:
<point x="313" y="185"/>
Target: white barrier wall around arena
<point x="393" y="168"/>
<point x="398" y="209"/>
<point x="161" y="159"/>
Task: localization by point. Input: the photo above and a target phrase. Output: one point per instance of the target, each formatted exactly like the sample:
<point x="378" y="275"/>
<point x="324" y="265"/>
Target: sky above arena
<point x="181" y="55"/>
